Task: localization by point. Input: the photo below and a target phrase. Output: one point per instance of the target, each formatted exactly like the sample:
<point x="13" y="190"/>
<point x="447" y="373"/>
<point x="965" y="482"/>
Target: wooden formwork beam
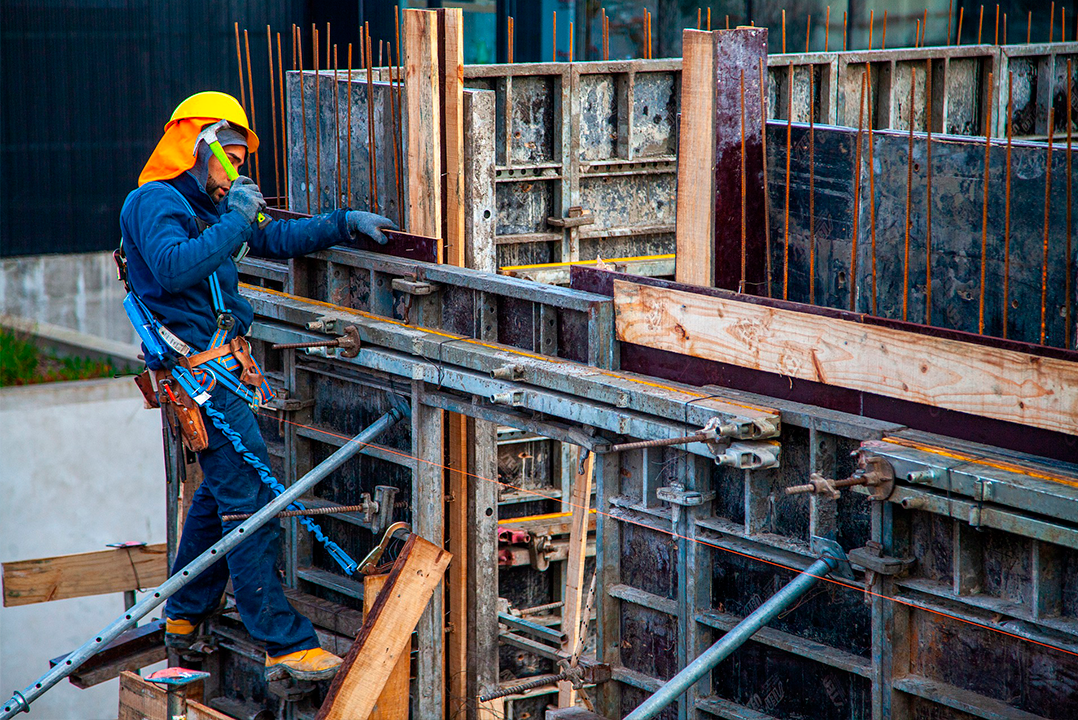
<point x="574" y="570"/>
<point x="92" y="573"/>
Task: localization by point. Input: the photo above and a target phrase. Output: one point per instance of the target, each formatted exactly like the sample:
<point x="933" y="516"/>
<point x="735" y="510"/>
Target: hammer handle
<point x="230" y="171"/>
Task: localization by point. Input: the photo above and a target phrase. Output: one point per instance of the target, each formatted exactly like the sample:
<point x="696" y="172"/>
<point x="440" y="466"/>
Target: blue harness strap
<point x="198" y="382"/>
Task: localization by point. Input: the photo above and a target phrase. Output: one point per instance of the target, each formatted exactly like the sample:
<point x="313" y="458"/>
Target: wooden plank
<point x="574" y="568"/>
<point x="142" y="700"/>
<point x="451" y="21"/>
<point x="93" y="573"/>
<point x="393" y="700"/>
<point x="991" y="382"/>
<point x="423" y="115"/>
<point x="387" y="631"/>
<point x="695" y="235"/>
<point x="136" y="648"/>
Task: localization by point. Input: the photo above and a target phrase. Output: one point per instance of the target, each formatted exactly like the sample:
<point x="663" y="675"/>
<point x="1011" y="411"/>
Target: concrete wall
<point x="79" y="292"/>
<point x="81" y="466"/>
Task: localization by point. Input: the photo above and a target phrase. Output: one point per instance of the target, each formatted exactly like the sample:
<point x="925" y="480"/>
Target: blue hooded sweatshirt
<point x="169" y="262"/>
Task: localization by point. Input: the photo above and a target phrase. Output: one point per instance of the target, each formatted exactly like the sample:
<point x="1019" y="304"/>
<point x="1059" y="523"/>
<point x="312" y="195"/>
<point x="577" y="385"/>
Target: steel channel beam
<point x="624" y="391"/>
<point x="21" y="701"/>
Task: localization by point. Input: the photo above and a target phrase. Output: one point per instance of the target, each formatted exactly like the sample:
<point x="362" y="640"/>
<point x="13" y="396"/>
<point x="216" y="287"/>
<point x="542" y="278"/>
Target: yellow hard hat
<point x="216" y="106"/>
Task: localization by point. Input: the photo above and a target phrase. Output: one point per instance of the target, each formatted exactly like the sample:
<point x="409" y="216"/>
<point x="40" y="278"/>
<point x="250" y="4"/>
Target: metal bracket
<point x="756" y="429"/>
<point x="415" y="287"/>
<point x="826" y="546"/>
<point x="679" y="497"/>
<point x="378" y="512"/>
<point x="872" y="558"/>
<point x="749" y="455"/>
<point x="539" y="551"/>
<point x="324" y="324"/>
<point x="575" y="218"/>
<point x="514" y="398"/>
<point x="508" y="372"/>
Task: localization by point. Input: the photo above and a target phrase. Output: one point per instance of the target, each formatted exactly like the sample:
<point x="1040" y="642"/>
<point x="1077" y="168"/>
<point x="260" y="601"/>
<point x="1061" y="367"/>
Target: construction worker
<point x="182" y="229"/>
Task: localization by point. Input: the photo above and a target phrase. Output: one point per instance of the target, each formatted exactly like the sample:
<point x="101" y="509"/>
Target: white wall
<point x="81" y="465"/>
<point x="78" y="291"/>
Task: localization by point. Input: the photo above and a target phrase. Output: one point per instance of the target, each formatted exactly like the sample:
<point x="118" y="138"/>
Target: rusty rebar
<point x="928" y="191"/>
<point x="950" y="10"/>
<point x="909" y="202"/>
<point x="844" y="31"/>
<point x="284" y="131"/>
<point x="984" y="207"/>
<point x="348" y="131"/>
<point x="808" y="31"/>
<point x="784" y="31"/>
<point x="1047" y="209"/>
<point x="1070" y="210"/>
<point x="744" y="223"/>
<point x="509" y="38"/>
<point x="883" y="40"/>
<point x="857" y="195"/>
<point x="996" y="41"/>
<point x="337" y="123"/>
<point x="251" y="94"/>
<point x="663" y="442"/>
<point x="273" y="110"/>
<point x="767" y="194"/>
<point x="871" y="180"/>
<point x="1052" y="23"/>
<point x="961" y="18"/>
<point x="1029" y="26"/>
<point x="1007" y="205"/>
<point x="317" y="116"/>
<point x="980" y="24"/>
<point x="871" y="27"/>
<point x="827" y="31"/>
<point x="239" y="67"/>
<point x="233" y="517"/>
<point x="789" y="129"/>
<point x="297" y="38"/>
<point x="370" y="121"/>
<point x="812" y="180"/>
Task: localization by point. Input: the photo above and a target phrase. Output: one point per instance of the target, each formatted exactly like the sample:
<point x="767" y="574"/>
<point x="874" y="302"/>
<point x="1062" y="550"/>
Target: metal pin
<point x="370" y="120"/>
<point x="606" y="36"/>
<point x="284" y="132"/>
<point x="273" y="111"/>
<point x="812" y="183"/>
<point x="1047" y="207"/>
<point x="984" y="208"/>
<point x="327" y="45"/>
<point x="827" y="31"/>
<point x="808" y="31"/>
<point x="871" y="179"/>
<point x="1052" y="23"/>
<point x="1029" y="26"/>
<point x="789" y="128"/>
<point x="767" y="194"/>
<point x="699" y="24"/>
<point x="784" y="31"/>
<point x="554" y="36"/>
<point x="1070" y="209"/>
<point x="298" y="44"/>
<point x="348" y="132"/>
<point x="871" y="30"/>
<point x="924" y="26"/>
<point x="928" y="192"/>
<point x="1007" y="206"/>
<point x="950" y="9"/>
<point x="318" y="118"/>
<point x="917" y="33"/>
<point x="362" y="48"/>
<point x="843" y="31"/>
<point x="509" y="38"/>
<point x="961" y="17"/>
<point x="744" y="227"/>
<point x="857" y="195"/>
<point x="996" y="41"/>
<point x="909" y="199"/>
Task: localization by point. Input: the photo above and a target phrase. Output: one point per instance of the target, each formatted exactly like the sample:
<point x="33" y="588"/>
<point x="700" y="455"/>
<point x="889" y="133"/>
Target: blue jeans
<point x="230" y="485"/>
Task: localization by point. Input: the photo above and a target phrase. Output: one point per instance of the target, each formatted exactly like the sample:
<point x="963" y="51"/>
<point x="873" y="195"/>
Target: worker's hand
<point x="368" y="225"/>
<point x="245" y="198"/>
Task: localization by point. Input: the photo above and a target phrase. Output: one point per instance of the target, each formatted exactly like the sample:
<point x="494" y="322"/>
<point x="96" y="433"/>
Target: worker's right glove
<point x="245" y="198"/>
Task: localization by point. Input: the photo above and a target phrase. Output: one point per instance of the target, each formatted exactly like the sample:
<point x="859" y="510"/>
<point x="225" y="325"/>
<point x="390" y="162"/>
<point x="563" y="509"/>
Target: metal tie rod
<point x="831" y="560"/>
<point x="20" y="702"/>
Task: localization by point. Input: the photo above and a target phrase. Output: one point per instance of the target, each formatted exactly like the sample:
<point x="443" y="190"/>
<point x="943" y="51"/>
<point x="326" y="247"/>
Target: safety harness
<point x="196" y="375"/>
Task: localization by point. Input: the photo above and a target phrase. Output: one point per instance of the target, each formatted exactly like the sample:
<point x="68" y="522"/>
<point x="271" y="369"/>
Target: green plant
<point x="23" y="363"/>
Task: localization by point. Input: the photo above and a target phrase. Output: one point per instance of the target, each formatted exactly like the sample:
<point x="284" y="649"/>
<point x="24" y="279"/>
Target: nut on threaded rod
<point x="874" y="472"/>
<point x="348" y="343"/>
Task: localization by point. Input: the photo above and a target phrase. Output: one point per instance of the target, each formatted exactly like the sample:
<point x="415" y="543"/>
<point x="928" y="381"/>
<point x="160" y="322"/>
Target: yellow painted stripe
<point x="551" y="266"/>
<point x="549" y="516"/>
<point x="996" y="464"/>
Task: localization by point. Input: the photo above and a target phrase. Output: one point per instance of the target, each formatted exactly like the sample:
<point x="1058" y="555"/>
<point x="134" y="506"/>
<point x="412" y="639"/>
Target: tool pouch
<point x="145" y="385"/>
<point x="183" y="415"/>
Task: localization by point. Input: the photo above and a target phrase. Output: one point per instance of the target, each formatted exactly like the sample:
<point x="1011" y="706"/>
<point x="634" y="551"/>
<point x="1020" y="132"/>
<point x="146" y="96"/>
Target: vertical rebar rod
<point x="251" y="94"/>
<point x="980" y="24"/>
<point x="315" y="52"/>
<point x="996" y="41"/>
<point x="1004" y="28"/>
<point x="844" y="31"/>
<point x="984" y="204"/>
<point x="554" y="38"/>
<point x="827" y="30"/>
<point x="871" y="179"/>
<point x="1007" y="205"/>
<point x="284" y="130"/>
<point x="924" y="27"/>
<point x="1070" y="211"/>
<point x="961" y="17"/>
<point x="348" y="132"/>
<point x="928" y="191"/>
<point x="393" y="130"/>
<point x="883" y="39"/>
<point x="273" y="112"/>
<point x="871" y="27"/>
<point x="909" y="202"/>
<point x="239" y="67"/>
<point x="370" y="120"/>
<point x="857" y="195"/>
<point x="767" y="194"/>
<point x="733" y="639"/>
<point x="950" y="10"/>
<point x="917" y="33"/>
<point x="572" y="49"/>
<point x="744" y="225"/>
<point x="509" y="39"/>
<point x="1029" y="26"/>
<point x="1052" y="23"/>
<point x="784" y="31"/>
<point x="789" y="129"/>
<point x="812" y="182"/>
<point x="1047" y="209"/>
<point x="297" y="39"/>
<point x="337" y="122"/>
<point x="808" y="31"/>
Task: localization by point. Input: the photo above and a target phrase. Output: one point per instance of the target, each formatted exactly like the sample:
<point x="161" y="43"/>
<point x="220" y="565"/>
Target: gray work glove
<point x="368" y="225"/>
<point x="245" y="198"/>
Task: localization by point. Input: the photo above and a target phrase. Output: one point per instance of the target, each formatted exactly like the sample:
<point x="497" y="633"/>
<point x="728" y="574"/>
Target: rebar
<point x="302" y="513"/>
<point x="541" y="681"/>
<point x="701" y="436"/>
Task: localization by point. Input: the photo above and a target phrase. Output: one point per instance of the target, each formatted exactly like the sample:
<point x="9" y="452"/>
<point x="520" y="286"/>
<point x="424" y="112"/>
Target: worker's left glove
<point x="368" y="225"/>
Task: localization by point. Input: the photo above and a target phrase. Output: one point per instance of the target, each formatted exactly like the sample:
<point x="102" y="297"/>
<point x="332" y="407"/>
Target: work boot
<point x="313" y="664"/>
<point x="180" y="635"/>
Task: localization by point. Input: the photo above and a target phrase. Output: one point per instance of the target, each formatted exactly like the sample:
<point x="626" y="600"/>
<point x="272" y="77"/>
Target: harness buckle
<point x="226" y="321"/>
